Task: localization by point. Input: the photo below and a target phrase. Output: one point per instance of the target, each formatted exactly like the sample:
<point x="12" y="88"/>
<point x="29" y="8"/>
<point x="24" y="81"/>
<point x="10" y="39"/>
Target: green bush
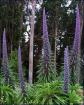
<point x="7" y="94"/>
<point x="74" y="96"/>
<point x="49" y="94"/>
<point x="43" y="94"/>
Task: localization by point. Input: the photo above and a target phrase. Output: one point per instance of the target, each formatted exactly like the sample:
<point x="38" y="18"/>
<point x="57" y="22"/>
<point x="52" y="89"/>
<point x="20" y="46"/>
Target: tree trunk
<point x="31" y="44"/>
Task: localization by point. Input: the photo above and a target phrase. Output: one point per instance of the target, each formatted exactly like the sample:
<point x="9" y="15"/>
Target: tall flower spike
<point x="5" y="59"/>
<point x="47" y="70"/>
<point x="75" y="55"/>
<point x="76" y="44"/>
<point x="21" y="80"/>
<point x="66" y="70"/>
<point x="46" y="44"/>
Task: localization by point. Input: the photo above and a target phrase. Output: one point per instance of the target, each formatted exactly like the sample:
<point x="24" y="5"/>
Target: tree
<point x="31" y="44"/>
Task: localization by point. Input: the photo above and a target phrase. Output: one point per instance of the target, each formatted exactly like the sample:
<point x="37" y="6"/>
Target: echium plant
<point x="47" y="70"/>
<point x="75" y="54"/>
<point x="20" y="72"/>
<point x="76" y="44"/>
<point x="66" y="70"/>
<point x="5" y="59"/>
<point x="46" y="44"/>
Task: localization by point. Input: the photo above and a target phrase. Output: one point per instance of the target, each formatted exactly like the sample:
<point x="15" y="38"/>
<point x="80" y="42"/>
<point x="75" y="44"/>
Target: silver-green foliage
<point x="51" y="75"/>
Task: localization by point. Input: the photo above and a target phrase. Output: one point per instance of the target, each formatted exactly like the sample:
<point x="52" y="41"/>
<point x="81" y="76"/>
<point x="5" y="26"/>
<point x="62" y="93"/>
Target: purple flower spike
<point x="46" y="44"/>
<point x="66" y="70"/>
<point x="76" y="44"/>
<point x="75" y="54"/>
<point x="22" y="84"/>
<point x="5" y="59"/>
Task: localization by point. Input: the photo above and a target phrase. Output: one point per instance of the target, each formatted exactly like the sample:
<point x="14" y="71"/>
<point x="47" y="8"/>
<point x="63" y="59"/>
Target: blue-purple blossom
<point x="46" y="44"/>
<point x="66" y="70"/>
<point x="20" y="72"/>
<point x="5" y="59"/>
<point x="76" y="44"/>
<point x="75" y="54"/>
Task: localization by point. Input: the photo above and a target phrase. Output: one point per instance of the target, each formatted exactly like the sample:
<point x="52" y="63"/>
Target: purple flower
<point x="46" y="44"/>
<point x="5" y="59"/>
<point x="66" y="70"/>
<point x="75" y="54"/>
<point x="76" y="44"/>
<point x="22" y="84"/>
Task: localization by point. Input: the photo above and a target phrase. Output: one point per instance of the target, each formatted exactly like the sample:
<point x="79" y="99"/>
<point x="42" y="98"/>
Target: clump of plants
<point x="49" y="89"/>
<point x="44" y="94"/>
